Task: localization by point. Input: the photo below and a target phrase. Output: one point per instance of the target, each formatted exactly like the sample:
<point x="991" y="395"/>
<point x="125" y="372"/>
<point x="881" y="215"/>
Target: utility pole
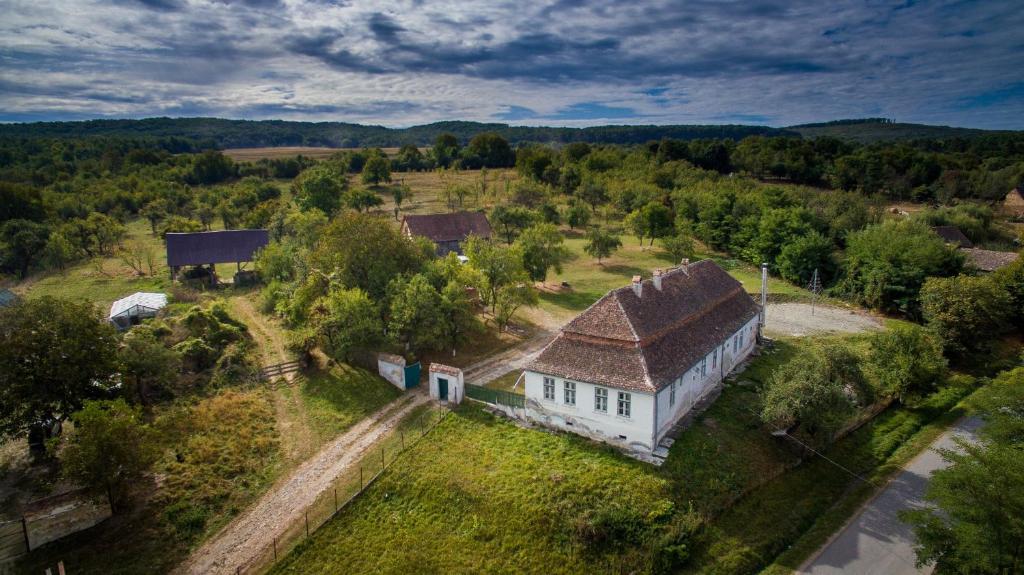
<point x="815" y="288"/>
<point x="764" y="294"/>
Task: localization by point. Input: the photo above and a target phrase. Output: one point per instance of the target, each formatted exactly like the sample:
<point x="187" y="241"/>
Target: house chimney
<point x="638" y="285"/>
<point x="657" y="279"/>
<point x="685" y="266"/>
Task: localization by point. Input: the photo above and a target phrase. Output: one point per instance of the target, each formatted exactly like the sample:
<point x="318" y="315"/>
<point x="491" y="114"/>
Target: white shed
<point x="131" y="310"/>
<point x="446" y="383"/>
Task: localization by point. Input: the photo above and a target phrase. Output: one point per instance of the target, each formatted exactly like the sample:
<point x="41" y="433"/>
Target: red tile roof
<point x="988" y="260"/>
<point x="644" y="342"/>
<point x="448" y="227"/>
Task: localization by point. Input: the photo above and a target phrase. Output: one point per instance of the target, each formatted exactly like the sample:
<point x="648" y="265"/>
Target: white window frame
<point x="569" y="392"/>
<point x="549" y="388"/>
<point x="714" y="359"/>
<point x="672" y="394"/>
<point x="601" y="399"/>
<point x="624" y="406"/>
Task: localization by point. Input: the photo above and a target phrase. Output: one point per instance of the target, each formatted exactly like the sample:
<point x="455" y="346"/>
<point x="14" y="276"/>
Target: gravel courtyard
<point x="796" y="319"/>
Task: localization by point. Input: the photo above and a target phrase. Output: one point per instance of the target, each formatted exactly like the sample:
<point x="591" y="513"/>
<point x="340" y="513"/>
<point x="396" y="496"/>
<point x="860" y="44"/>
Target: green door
<point x="442" y="388"/>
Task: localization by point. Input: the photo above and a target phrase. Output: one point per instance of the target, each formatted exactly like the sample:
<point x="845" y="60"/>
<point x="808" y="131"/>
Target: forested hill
<point x="871" y="130"/>
<point x="247" y="134"/>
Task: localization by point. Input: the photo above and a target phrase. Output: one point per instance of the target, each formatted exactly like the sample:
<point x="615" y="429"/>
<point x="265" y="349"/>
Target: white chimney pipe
<point x="657" y="279"/>
<point x="685" y="265"/>
<point x="764" y="291"/>
<point x="638" y="285"/>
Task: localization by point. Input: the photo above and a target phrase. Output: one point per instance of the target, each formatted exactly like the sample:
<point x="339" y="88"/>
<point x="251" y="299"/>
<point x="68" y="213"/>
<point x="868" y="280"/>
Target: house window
<point x="704" y="367"/>
<point x="624" y="402"/>
<point x="549" y="388"/>
<point x="601" y="399"/>
<point x="672" y="394"/>
<point x="741" y="340"/>
<point x="570" y="393"/>
<point x="714" y="359"/>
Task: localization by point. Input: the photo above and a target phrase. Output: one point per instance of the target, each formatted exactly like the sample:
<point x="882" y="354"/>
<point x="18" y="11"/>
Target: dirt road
<point x="497" y="365"/>
<point x="254" y="531"/>
<point x="797" y="319"/>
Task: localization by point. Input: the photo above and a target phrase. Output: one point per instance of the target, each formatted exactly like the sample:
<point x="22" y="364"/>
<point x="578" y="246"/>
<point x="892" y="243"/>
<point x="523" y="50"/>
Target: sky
<point x="565" y="62"/>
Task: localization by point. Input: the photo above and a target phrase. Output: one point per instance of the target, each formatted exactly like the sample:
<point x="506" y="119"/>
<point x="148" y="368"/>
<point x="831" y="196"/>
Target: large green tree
<point x="21" y="245"/>
<point x="542" y="248"/>
<point x="54" y="355"/>
<point x="601" y="243"/>
<point x="967" y="312"/>
<point x="147" y="365"/>
<point x="110" y="449"/>
<point x="906" y="359"/>
<point x="320" y="187"/>
<point x="376" y="170"/>
<point x="348" y="322"/>
<point x="417" y="318"/>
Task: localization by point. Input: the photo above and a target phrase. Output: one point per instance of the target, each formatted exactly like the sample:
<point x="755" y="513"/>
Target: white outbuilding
<point x="131" y="310"/>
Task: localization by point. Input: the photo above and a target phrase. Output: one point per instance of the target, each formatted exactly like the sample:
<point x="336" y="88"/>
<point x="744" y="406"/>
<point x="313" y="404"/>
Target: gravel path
<point x="254" y="531"/>
<point x="497" y="365"/>
<point x="796" y="319"/>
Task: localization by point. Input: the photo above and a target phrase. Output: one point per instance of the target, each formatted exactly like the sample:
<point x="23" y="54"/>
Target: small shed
<point x="211" y="248"/>
<point x="131" y="310"/>
<point x="446" y="383"/>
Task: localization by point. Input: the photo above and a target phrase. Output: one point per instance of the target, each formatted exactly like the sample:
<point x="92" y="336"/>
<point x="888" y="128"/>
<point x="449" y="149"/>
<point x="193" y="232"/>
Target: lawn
<point x="340" y="396"/>
<point x="482" y="494"/>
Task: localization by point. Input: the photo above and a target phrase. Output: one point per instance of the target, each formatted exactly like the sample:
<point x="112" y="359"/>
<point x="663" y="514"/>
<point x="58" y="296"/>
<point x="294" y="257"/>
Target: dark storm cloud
<point x="563" y="61"/>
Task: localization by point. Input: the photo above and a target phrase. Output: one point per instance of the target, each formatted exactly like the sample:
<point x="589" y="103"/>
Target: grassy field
<point x="484" y="495"/>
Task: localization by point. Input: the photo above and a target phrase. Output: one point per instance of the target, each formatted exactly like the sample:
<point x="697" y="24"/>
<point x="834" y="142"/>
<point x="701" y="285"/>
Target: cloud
<point x="569" y="62"/>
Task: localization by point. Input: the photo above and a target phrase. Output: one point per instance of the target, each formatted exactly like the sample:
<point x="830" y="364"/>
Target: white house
<point x="626" y="369"/>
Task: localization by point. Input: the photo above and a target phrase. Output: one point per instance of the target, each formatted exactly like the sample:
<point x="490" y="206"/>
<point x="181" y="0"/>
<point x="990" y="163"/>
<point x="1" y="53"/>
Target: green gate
<point x="495" y="396"/>
<point x="412" y="375"/>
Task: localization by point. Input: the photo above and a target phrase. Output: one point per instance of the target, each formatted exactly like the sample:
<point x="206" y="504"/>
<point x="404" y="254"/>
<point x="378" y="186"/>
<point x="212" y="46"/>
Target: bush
<point x="188" y="521"/>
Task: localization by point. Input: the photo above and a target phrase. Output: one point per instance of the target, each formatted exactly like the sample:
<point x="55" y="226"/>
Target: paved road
<point x="876" y="541"/>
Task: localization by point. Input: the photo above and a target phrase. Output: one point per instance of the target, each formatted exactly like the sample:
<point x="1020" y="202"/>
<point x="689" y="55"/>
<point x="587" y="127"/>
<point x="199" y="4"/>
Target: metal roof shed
<point x="128" y="311"/>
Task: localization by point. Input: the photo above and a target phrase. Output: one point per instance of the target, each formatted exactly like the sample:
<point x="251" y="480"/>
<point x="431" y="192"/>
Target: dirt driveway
<point x="797" y="319"/>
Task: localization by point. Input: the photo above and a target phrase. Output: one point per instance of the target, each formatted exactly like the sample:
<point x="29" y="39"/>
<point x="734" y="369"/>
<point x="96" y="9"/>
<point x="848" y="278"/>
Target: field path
<point x="253" y="532"/>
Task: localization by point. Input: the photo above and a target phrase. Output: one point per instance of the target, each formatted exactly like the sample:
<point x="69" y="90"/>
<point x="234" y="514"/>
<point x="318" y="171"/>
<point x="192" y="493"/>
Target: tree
<point x="399" y="194"/>
<point x="1011" y="279"/>
<point x="498" y="267"/>
<point x="967" y="312"/>
<point x="578" y="216"/>
<point x="445" y="150"/>
<point x="976" y="523"/>
<point x="210" y="167"/>
<point x="593" y="193"/>
<point x="54" y="355"/>
<point x="155" y="212"/>
<point x="459" y="323"/>
<point x="549" y="214"/>
<point x="110" y="449"/>
<point x="20" y="202"/>
<point x="361" y="251"/>
<point x="59" y="251"/>
<point x="349" y="323"/>
<point x="906" y="359"/>
<point x="376" y="170"/>
<point x="361" y="199"/>
<point x="679" y="246"/>
<point x="106" y="232"/>
<point x="657" y="219"/>
<point x="488" y="150"/>
<point x="417" y="315"/>
<point x="541" y="248"/>
<point x="816" y="389"/>
<point x="886" y="264"/>
<point x="320" y="187"/>
<point x="801" y="256"/>
<point x="601" y="243"/>
<point x="146" y="363"/>
<point x="21" y="244"/>
<point x="509" y="299"/>
<point x="512" y="220"/>
<point x="777" y="228"/>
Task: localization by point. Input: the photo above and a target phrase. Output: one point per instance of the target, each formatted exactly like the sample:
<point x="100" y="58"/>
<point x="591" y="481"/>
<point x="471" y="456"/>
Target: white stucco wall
<point x="392" y="371"/>
<point x="584" y="419"/>
<point x="651" y="415"/>
<point x="456" y="387"/>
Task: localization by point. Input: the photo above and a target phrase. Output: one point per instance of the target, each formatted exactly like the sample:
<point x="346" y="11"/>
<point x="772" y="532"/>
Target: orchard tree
<point x="512" y="220"/>
<point x="445" y="150"/>
<point x="110" y="449"/>
<point x="578" y="216"/>
<point x="400" y="194"/>
<point x="320" y="187"/>
<point x="376" y="170"/>
<point x="417" y="318"/>
<point x="593" y="193"/>
<point x="801" y="256"/>
<point x="54" y="355"/>
<point x="541" y="248"/>
<point x="349" y="322"/>
<point x="679" y="246"/>
<point x="458" y="322"/>
<point x="361" y="199"/>
<point x="601" y="243"/>
<point x="21" y="245"/>
<point x="147" y="364"/>
<point x="498" y="267"/>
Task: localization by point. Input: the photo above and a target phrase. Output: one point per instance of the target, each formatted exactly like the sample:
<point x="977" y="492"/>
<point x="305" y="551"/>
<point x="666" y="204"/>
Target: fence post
<point x="402" y="435"/>
<point x="335" y="498"/>
<point x="307" y="524"/>
<point x="382" y="458"/>
<point x="275" y="549"/>
<point x="360" y="478"/>
<point x="24" y="531"/>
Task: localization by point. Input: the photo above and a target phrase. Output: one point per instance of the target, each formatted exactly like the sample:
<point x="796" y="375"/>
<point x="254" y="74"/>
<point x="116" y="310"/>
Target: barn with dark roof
<point x="447" y="231"/>
<point x="630" y="366"/>
<point x="210" y="248"/>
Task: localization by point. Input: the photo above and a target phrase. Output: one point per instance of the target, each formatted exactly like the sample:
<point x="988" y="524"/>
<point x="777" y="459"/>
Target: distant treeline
<point x="219" y="133"/>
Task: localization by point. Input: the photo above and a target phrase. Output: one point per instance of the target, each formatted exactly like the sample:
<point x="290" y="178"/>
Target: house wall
<point x="393" y="372"/>
<point x="652" y="415"/>
<point x="700" y="379"/>
<point x="584" y="419"/>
